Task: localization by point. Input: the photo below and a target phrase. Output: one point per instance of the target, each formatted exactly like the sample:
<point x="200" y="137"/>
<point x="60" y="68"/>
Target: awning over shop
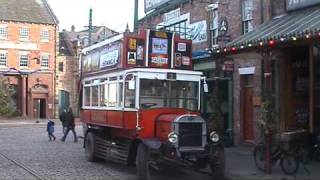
<point x="293" y="26"/>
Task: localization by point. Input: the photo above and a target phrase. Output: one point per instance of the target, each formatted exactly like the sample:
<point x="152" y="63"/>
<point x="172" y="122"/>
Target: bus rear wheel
<point x="90" y="147"/>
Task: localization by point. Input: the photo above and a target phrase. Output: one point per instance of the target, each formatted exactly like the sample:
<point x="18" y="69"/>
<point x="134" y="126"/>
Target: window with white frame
<point x="3" y="33"/>
<point x="44" y="61"/>
<point x="44" y="35"/>
<point x="23" y="59"/>
<point x="3" y="58"/>
<point x="247" y="16"/>
<point x="24" y="33"/>
<point x="214" y="26"/>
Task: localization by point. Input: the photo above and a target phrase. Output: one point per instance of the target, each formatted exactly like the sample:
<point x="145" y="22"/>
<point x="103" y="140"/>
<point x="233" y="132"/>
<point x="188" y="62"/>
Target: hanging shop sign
<point x="110" y="57"/>
<point x="298" y="4"/>
<point x="153" y="4"/>
<point x="160" y="44"/>
<point x="199" y="32"/>
<point x="223" y="27"/>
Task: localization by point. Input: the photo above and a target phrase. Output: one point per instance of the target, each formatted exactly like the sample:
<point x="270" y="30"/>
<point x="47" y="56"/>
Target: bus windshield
<point x="169" y="94"/>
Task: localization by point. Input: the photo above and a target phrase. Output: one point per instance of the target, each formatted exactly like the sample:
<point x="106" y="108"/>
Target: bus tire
<point x="142" y="162"/>
<point x="90" y="147"/>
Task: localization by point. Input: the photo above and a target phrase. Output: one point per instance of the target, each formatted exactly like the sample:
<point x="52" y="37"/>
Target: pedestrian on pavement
<point x="70" y="124"/>
<point x="63" y="120"/>
<point x="50" y="130"/>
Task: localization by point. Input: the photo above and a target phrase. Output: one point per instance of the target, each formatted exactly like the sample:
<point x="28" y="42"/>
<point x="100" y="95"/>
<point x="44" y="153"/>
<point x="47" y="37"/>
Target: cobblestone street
<point x="28" y="145"/>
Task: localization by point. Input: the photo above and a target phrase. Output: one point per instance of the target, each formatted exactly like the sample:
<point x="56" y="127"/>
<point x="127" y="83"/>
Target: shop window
<point x="3" y="33"/>
<point x="247" y="15"/>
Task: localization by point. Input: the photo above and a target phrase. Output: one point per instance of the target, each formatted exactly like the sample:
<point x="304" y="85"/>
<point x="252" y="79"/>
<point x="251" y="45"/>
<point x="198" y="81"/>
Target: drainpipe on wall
<point x="261" y="11"/>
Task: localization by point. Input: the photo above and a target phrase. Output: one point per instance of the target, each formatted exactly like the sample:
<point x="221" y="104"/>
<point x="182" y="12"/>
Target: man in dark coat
<point x="70" y="124"/>
<point x="63" y="120"/>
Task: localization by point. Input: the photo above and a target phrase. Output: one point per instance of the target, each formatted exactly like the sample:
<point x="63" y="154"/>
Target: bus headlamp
<point x="214" y="137"/>
<point x="172" y="137"/>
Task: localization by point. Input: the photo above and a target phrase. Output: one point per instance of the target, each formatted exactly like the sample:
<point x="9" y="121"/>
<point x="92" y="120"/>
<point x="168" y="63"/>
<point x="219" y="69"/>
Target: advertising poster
<point x="132" y="58"/>
<point x="135" y="54"/>
<point x="182" y="59"/>
<point x="95" y="58"/>
<point x="160" y="44"/>
<point x="110" y="57"/>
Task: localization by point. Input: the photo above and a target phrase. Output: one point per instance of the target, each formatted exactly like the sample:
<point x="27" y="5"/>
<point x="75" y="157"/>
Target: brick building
<point x="279" y="62"/>
<point x="28" y="33"/>
<point x="67" y="65"/>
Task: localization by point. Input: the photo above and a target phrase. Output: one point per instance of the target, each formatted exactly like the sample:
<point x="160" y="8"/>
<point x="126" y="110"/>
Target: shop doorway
<point x="39" y="108"/>
<point x="246" y="107"/>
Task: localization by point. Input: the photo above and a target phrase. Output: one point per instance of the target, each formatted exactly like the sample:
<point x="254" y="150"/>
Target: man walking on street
<point x="70" y="124"/>
<point x="63" y="120"/>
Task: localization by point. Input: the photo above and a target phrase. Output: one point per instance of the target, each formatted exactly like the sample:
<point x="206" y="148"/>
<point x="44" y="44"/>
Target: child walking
<point x="50" y="130"/>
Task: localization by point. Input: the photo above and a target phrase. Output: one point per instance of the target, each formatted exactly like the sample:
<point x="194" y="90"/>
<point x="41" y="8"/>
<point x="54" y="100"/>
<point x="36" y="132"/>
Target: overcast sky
<point x="114" y="14"/>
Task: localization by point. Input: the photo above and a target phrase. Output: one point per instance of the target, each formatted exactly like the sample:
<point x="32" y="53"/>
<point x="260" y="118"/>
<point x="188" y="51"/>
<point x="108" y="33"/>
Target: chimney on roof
<point x="73" y="28"/>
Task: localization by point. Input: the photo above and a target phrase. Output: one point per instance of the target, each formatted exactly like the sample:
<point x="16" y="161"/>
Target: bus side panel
<point x="114" y="119"/>
<point x="86" y="115"/>
<point x="99" y="116"/>
<point x="129" y="119"/>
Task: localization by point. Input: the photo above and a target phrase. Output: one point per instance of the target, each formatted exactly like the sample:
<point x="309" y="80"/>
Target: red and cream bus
<point x="141" y="101"/>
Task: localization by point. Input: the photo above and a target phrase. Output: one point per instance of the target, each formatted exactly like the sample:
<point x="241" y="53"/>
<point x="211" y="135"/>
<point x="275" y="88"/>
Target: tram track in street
<point x="24" y="167"/>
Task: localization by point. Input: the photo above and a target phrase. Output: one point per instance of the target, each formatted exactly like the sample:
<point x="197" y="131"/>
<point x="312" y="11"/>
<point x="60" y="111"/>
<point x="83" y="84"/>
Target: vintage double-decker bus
<point x="140" y="104"/>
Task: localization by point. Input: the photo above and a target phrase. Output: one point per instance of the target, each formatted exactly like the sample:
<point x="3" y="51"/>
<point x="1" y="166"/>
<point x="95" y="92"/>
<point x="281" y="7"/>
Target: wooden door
<point x="247" y="113"/>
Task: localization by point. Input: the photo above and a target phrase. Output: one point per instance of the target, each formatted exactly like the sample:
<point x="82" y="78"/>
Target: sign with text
<point x="199" y="32"/>
<point x="153" y="4"/>
<point x="298" y="4"/>
<point x="110" y="57"/>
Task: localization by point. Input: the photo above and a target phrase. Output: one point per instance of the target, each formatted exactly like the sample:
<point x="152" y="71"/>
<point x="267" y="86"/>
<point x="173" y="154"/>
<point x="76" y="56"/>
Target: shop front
<point x="280" y="62"/>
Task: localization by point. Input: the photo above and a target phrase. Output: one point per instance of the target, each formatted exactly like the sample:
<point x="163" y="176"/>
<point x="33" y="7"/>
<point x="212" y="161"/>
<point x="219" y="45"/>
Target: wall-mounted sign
<point x="132" y="44"/>
<point x="153" y="4"/>
<point x="199" y="32"/>
<point x="247" y="70"/>
<point x="109" y="57"/>
<point x="186" y="61"/>
<point x="178" y="60"/>
<point x="171" y="15"/>
<point x="298" y="4"/>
